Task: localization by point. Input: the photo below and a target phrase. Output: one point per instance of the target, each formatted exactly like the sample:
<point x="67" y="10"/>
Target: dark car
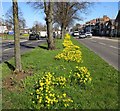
<point x="34" y="36"/>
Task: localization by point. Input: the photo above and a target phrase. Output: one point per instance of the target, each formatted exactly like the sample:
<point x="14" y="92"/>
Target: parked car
<point x="34" y="36"/>
<point x="76" y="33"/>
<point x="43" y="34"/>
<point x="82" y="35"/>
<point x="88" y="34"/>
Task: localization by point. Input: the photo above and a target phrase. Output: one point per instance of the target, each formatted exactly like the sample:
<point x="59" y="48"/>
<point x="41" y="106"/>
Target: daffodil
<point x="64" y="95"/>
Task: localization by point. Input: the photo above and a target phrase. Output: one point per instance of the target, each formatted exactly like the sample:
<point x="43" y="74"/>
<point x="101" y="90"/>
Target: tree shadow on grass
<point x="11" y="67"/>
<point x="43" y="47"/>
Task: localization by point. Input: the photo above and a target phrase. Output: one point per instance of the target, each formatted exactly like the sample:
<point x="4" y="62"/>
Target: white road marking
<point x="105" y="38"/>
<point x="114" y="47"/>
<point x="101" y="43"/>
<point x="8" y="49"/>
<point x="105" y="44"/>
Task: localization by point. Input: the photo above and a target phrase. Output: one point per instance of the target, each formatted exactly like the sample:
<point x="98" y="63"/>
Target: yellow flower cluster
<point x="60" y="81"/>
<point x="45" y="96"/>
<point x="82" y="75"/>
<point x="71" y="52"/>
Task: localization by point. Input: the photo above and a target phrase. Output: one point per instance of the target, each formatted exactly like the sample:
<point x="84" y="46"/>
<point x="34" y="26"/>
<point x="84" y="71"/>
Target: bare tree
<point x="48" y="10"/>
<point x="18" y="66"/>
<point x="66" y="12"/>
<point x="9" y="18"/>
<point x="37" y="26"/>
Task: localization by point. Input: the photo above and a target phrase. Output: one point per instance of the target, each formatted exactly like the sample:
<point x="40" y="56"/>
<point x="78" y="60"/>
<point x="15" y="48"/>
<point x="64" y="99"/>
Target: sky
<point x="98" y="9"/>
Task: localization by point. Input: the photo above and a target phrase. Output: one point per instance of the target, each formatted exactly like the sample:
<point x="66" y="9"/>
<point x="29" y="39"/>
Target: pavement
<point x="108" y="38"/>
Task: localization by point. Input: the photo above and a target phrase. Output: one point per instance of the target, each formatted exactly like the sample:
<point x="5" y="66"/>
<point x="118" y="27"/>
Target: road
<point x="25" y="45"/>
<point x="108" y="49"/>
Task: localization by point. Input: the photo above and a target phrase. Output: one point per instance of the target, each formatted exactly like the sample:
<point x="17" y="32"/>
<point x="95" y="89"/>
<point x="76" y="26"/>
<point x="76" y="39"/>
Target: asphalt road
<point x="25" y="45"/>
<point x="107" y="49"/>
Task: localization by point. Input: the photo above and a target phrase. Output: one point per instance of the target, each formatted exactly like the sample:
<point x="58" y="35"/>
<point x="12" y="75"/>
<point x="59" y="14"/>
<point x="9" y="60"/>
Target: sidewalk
<point x="107" y="38"/>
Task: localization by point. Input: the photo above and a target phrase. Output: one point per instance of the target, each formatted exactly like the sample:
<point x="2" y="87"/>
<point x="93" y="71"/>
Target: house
<point x="24" y="31"/>
<point x="3" y="26"/>
<point x="117" y="24"/>
<point x="96" y="25"/>
<point x="3" y="29"/>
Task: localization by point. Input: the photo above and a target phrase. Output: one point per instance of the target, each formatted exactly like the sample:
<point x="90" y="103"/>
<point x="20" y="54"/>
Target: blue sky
<point x="97" y="10"/>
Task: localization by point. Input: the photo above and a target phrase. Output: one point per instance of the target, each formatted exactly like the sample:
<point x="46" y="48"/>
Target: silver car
<point x="82" y="35"/>
<point x="88" y="34"/>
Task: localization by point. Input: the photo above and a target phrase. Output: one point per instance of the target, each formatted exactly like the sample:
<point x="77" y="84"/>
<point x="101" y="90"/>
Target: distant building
<point x="24" y="31"/>
<point x="3" y="26"/>
<point x="104" y="26"/>
<point x="117" y="20"/>
<point x="95" y="25"/>
<point x="3" y="29"/>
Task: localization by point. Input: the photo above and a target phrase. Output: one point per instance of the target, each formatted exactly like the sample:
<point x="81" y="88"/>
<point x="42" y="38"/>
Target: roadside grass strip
<point x="45" y="95"/>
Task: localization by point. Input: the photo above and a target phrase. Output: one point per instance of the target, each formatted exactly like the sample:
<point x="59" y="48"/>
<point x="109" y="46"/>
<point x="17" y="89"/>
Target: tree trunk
<point x="18" y="66"/>
<point x="49" y="22"/>
<point x="62" y="31"/>
<point x="50" y="40"/>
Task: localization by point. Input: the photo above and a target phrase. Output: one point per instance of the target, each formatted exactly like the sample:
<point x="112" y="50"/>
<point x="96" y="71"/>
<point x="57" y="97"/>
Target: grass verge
<point x="102" y="93"/>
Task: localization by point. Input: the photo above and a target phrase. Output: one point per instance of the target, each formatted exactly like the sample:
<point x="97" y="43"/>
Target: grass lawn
<point x="11" y="37"/>
<point x="7" y="37"/>
<point x="102" y="93"/>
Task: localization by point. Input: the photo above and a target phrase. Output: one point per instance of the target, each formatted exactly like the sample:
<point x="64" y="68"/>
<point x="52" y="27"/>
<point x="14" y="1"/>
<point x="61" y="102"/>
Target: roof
<point x="118" y="17"/>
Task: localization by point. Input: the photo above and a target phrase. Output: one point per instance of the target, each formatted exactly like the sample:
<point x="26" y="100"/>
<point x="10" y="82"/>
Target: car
<point x="34" y="36"/>
<point x="76" y="33"/>
<point x="88" y="34"/>
<point x="82" y="35"/>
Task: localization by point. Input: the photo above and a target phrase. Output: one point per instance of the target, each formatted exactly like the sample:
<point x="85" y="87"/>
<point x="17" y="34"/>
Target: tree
<point x="18" y="66"/>
<point x="9" y="18"/>
<point x="48" y="10"/>
<point x="37" y="26"/>
<point x="49" y="21"/>
<point x="66" y="12"/>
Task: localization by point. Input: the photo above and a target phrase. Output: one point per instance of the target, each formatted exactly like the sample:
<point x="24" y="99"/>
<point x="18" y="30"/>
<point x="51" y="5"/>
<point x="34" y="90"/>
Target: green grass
<point x="11" y="37"/>
<point x="102" y="93"/>
<point x="7" y="37"/>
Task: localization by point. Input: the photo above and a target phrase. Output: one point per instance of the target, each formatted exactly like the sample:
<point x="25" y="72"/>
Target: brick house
<point x="117" y="21"/>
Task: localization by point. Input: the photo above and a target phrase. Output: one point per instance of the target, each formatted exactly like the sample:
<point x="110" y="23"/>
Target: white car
<point x="82" y="35"/>
<point x="76" y="33"/>
<point x="88" y="34"/>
